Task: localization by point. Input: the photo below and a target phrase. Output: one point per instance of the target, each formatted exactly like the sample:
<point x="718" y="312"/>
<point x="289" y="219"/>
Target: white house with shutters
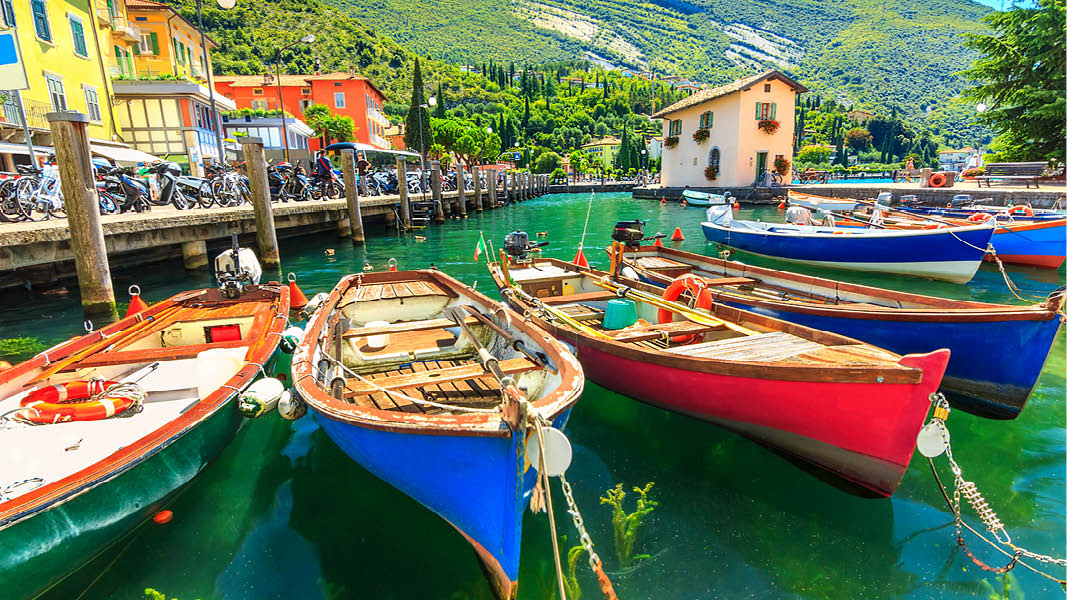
<point x="729" y="135"/>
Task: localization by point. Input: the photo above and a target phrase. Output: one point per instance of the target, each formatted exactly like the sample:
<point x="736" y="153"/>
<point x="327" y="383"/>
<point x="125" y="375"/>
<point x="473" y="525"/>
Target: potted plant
<point x="970" y="174"/>
<point x="710" y="172"/>
<point x="670" y="142"/>
<point x="701" y="134"/>
<point x="768" y="126"/>
<point x="781" y="166"/>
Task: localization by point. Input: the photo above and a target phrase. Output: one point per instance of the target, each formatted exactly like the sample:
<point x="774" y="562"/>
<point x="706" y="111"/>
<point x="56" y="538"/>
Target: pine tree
<point x="526" y="115"/>
<point x="439" y="110"/>
<point x="842" y="158"/>
<point x="418" y="135"/>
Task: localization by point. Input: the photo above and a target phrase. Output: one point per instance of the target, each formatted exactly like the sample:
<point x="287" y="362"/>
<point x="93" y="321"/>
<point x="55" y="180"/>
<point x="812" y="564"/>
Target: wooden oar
<point x="685" y="311"/>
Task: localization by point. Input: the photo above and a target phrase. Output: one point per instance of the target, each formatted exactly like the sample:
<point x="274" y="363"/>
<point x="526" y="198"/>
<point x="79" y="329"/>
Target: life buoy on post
<point x="53" y="404"/>
<point x="938" y="180"/>
<point x="697" y="288"/>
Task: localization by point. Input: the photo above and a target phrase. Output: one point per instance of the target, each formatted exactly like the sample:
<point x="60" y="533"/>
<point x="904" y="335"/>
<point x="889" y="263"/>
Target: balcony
<point x="35" y="112"/>
<point x="121" y="27"/>
<point x="103" y="12"/>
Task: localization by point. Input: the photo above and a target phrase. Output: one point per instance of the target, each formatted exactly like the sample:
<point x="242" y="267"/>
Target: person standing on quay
<point x="324" y="171"/>
<point x="362" y="167"/>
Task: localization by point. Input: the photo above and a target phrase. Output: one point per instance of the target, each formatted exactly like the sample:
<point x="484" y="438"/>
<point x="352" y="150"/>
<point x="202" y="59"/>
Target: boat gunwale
<point x="564" y="396"/>
<point x="892" y="373"/>
<point x="797" y="233"/>
<point x="967" y="311"/>
<point x="58" y="492"/>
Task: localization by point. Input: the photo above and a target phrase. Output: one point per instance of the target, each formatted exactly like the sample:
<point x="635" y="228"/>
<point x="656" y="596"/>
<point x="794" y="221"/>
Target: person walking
<point x="362" y="167"/>
<point x="323" y="172"/>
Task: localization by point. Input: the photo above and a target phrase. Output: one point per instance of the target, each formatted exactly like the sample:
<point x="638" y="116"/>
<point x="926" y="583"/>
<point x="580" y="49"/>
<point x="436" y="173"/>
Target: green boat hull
<point x="39" y="551"/>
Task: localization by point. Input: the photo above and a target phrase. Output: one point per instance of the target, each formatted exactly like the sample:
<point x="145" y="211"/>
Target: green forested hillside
<point x="875" y="53"/>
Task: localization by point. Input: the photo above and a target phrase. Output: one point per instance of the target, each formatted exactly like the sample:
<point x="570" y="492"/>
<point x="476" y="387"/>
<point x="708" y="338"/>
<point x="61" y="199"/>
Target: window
<point x="55" y="92"/>
<point x="7" y="13"/>
<point x="257" y="91"/>
<point x="92" y="103"/>
<point x="766" y="87"/>
<point x="676" y="127"/>
<point x="305" y="91"/>
<point x="259" y="105"/>
<point x="181" y="51"/>
<point x="713" y="160"/>
<point x="304" y="104"/>
<point x="77" y="33"/>
<point x="40" y="20"/>
<point x="765" y="110"/>
<point x="705" y="120"/>
<point x="339" y="99"/>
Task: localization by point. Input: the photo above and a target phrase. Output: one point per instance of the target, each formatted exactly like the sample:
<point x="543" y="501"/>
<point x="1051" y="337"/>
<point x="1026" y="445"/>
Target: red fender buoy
<point x="579" y="259"/>
<point x="163" y="517"/>
<point x="781" y="206"/>
<point x="677" y="235"/>
<point x="297" y="299"/>
<point x="737" y="205"/>
<point x="657" y="243"/>
<point x="136" y="304"/>
<point x="663" y="200"/>
<point x="392" y="265"/>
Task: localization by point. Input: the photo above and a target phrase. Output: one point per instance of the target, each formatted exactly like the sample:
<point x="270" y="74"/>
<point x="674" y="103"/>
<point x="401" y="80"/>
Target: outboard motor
<point x="631" y="233"/>
<point x="798" y="215"/>
<point x="517" y="245"/>
<point x="721" y="215"/>
<point x="236" y="268"/>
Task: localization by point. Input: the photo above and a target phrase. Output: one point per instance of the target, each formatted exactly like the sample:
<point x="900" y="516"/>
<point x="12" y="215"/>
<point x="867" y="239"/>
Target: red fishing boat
<point x="840" y="404"/>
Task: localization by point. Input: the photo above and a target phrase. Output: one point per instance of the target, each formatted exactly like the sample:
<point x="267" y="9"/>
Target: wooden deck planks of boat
<point x="656" y="331"/>
<point x="764" y="347"/>
<point x="393" y="290"/>
<point x="438" y="377"/>
<point x="406" y="326"/>
<point x="479" y="389"/>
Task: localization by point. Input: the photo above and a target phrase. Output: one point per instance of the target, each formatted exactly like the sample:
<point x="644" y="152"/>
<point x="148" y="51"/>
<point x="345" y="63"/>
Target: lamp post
<point x="430" y="102"/>
<point x="215" y="124"/>
<point x="307" y="39"/>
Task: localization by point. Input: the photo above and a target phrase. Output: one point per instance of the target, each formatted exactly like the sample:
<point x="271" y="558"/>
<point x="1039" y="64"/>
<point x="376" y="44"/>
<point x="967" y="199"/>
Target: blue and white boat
<point x="695" y="198"/>
<point x="1020" y="337"/>
<point x="435" y="388"/>
<point x="950" y="253"/>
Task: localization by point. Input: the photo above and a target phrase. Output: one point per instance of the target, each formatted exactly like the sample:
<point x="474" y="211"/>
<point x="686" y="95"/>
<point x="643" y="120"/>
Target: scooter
<point x="167" y="174"/>
<point x="121" y="183"/>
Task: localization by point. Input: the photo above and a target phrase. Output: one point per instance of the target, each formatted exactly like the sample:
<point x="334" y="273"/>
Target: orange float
<point x="53" y="404"/>
<point x="938" y="180"/>
<point x="695" y="286"/>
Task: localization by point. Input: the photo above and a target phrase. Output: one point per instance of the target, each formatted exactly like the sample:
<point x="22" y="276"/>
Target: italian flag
<point x="480" y="248"/>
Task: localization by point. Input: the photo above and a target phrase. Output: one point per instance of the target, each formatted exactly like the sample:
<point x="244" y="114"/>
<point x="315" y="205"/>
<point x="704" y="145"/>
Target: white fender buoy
<point x="290" y="406"/>
<point x="313" y="305"/>
<point x="932" y="440"/>
<point x="558" y="452"/>
<point x="290" y="338"/>
<point x="260" y="398"/>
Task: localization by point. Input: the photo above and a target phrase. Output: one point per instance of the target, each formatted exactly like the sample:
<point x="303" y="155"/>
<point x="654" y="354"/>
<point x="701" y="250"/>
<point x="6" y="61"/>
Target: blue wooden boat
<point x="407" y="391"/>
<point x="951" y="254"/>
<point x="998" y="351"/>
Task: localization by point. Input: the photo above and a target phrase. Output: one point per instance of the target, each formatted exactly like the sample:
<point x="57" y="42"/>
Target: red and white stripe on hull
<point x="862" y="432"/>
<point x="1029" y="260"/>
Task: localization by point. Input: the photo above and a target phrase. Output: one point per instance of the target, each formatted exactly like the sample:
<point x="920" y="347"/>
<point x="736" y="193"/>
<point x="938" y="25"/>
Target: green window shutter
<point x="774" y="106"/>
<point x="77" y="34"/>
<point x="137" y="49"/>
<point x="118" y="60"/>
<point x="155" y="44"/>
<point x="711" y="119"/>
<point x="759" y="110"/>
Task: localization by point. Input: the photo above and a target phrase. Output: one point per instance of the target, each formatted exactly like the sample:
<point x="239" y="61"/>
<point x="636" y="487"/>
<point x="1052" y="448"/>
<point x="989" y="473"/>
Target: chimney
<point x="352" y="70"/>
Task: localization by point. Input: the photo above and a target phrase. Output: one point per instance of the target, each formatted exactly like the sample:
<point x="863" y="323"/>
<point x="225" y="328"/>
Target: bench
<point x="1019" y="172"/>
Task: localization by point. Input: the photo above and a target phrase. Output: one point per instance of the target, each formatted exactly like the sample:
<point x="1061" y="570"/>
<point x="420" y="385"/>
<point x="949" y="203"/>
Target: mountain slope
<point x="878" y="53"/>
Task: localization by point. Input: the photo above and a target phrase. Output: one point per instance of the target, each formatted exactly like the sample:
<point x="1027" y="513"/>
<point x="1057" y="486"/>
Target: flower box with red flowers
<point x="769" y="126"/>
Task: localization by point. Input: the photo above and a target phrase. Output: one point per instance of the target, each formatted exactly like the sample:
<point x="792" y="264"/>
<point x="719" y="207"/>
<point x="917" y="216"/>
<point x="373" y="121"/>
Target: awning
<point x="122" y="154"/>
<point x="360" y="147"/>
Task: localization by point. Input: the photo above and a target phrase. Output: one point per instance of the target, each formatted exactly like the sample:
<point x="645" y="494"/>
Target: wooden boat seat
<point x="659" y="263"/>
<point x="762" y="347"/>
<point x="406" y="326"/>
<point x="716" y="281"/>
<point x="652" y="332"/>
<point x="598" y="296"/>
<point x="394" y="290"/>
<point x="121" y="357"/>
<point x="513" y="366"/>
<point x="581" y="312"/>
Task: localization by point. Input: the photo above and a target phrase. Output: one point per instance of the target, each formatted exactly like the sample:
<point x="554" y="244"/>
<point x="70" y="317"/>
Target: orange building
<point x="345" y="94"/>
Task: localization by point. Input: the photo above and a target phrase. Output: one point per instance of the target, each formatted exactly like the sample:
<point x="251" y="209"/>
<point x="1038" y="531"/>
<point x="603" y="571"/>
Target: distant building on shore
<point x="603" y="150"/>
<point x="739" y="136"/>
<point x="956" y="160"/>
<point x="344" y="93"/>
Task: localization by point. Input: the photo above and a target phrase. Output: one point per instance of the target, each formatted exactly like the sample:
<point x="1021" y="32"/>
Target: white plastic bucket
<point x="377" y="342"/>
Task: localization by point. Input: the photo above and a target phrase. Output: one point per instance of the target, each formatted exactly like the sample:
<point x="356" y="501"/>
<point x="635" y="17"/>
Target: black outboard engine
<point x="631" y="233"/>
<point x="517" y="245"/>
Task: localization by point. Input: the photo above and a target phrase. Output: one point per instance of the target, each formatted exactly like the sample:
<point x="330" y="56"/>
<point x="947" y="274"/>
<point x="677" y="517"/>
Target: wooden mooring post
<point x="355" y="218"/>
<point x="476" y="175"/>
<point x="266" y="236"/>
<point x="71" y="141"/>
<point x="402" y="187"/>
<point x="490" y="182"/>
<point x="461" y="192"/>
<point x="435" y="191"/>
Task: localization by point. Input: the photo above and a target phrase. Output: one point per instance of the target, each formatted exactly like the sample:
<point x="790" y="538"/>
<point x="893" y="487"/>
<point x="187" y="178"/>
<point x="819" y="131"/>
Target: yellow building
<point x="167" y="43"/>
<point x="67" y="49"/>
<point x="603" y="150"/>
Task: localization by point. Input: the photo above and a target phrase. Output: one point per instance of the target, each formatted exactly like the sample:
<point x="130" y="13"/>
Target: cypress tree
<point x="439" y="110"/>
<point x="418" y="120"/>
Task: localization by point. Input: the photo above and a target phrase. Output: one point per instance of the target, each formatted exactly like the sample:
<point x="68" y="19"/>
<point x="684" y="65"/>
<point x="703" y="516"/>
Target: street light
<point x="431" y="101"/>
<point x="215" y="124"/>
<point x="307" y="39"/>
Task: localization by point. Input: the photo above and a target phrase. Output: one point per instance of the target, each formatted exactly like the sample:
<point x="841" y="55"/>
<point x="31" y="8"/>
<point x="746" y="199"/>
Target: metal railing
<point x="35" y="112"/>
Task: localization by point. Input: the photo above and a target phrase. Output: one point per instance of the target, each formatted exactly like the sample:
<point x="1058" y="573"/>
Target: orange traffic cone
<point x="677" y="235"/>
<point x="297" y="299"/>
<point x="136" y="304"/>
<point x="579" y="259"/>
<point x="657" y="243"/>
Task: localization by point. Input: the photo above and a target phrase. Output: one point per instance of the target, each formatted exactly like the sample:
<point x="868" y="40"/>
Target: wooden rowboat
<point x="845" y="406"/>
<point x="392" y="368"/>
<point x="71" y="488"/>
<point x="1020" y="337"/>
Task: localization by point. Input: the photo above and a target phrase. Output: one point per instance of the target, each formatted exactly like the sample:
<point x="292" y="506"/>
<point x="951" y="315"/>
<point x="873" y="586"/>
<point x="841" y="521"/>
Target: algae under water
<point x="284" y="513"/>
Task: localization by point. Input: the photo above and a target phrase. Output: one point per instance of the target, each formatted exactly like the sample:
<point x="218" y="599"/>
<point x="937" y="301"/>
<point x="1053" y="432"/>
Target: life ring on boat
<point x="53" y="404"/>
<point x="697" y="288"/>
<point x="938" y="180"/>
<point x="1021" y="210"/>
<point x="979" y="217"/>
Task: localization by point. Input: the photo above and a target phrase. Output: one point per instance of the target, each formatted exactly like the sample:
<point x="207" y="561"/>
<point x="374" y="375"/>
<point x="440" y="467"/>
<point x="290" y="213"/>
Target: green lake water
<point x="285" y="514"/>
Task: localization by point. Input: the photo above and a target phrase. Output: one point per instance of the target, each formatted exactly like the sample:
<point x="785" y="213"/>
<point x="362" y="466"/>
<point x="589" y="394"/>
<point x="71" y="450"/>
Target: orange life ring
<point x="1021" y="209"/>
<point x="697" y="288"/>
<point x="53" y="404"/>
<point x="938" y="180"/>
<point x="979" y="217"/>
